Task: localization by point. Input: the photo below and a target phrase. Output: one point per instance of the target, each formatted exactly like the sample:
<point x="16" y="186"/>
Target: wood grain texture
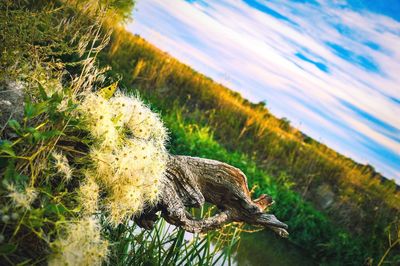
<point x="192" y="181"/>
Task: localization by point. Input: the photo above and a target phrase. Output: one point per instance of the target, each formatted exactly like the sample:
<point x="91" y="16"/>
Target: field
<point x="338" y="211"/>
<point x="351" y="223"/>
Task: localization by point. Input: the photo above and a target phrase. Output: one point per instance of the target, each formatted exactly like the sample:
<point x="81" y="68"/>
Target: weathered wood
<point x="192" y="181"/>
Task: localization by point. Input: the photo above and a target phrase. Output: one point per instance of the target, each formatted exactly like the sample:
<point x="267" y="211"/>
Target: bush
<point x="78" y="163"/>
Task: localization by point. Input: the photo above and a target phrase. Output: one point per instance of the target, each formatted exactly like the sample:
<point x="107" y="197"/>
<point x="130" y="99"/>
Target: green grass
<point x="45" y="62"/>
<point x="169" y="245"/>
<point x="309" y="228"/>
<point x="205" y="119"/>
<point x="287" y="164"/>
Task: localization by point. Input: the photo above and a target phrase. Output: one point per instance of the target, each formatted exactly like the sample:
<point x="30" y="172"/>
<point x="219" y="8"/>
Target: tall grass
<point x="43" y="47"/>
<point x="363" y="202"/>
<point x="45" y="152"/>
<point x="309" y="229"/>
<point x="170" y="245"/>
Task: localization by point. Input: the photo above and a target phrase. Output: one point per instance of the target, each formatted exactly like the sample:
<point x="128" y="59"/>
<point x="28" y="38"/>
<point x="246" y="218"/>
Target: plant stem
<point x="388" y="250"/>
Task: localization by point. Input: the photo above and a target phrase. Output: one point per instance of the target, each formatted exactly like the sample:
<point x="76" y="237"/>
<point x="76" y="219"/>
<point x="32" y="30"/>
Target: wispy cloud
<point x="332" y="68"/>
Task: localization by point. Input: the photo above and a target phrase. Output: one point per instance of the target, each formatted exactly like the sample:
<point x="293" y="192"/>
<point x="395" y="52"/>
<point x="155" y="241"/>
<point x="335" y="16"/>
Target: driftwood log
<point x="192" y="181"/>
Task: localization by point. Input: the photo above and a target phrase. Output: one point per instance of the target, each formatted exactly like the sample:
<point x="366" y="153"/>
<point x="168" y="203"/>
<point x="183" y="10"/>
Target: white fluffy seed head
<point x="129" y="156"/>
<point x="125" y="201"/>
<point x="123" y="107"/>
<point x="89" y="194"/>
<point x="138" y="119"/>
<point x="80" y="245"/>
<point x="22" y="198"/>
<point x="104" y="165"/>
<point x="147" y="125"/>
<point x="62" y="165"/>
<point x="98" y="116"/>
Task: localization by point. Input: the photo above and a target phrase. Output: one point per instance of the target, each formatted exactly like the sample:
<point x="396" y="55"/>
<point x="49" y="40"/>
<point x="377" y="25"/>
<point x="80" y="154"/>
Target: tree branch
<point x="192" y="181"/>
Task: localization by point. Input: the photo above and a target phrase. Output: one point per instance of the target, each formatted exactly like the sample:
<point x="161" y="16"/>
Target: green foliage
<point x="309" y="228"/>
<point x="351" y="228"/>
<point x="123" y="7"/>
<point x="114" y="11"/>
<point x="169" y="245"/>
<point x="45" y="46"/>
<point x="36" y="199"/>
<point x="39" y="205"/>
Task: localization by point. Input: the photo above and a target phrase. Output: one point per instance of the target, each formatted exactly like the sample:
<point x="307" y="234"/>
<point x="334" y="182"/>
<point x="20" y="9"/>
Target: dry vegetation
<point x="361" y="201"/>
<point x="78" y="159"/>
<point x="53" y="167"/>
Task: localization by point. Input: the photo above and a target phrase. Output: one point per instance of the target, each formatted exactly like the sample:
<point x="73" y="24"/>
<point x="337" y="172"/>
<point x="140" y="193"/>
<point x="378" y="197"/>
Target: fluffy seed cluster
<point x="62" y="165"/>
<point x="128" y="156"/>
<point x="128" y="160"/>
<point x="89" y="193"/>
<point x="81" y="245"/>
<point x="22" y="198"/>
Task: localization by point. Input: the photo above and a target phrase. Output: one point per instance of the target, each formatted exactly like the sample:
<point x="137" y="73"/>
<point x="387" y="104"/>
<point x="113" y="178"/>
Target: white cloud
<point x="255" y="53"/>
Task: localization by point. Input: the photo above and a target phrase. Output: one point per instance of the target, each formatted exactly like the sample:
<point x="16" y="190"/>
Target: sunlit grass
<point x="80" y="164"/>
<point x="42" y="164"/>
<point x="170" y="245"/>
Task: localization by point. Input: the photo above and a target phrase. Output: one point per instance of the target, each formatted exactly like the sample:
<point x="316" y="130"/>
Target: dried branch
<point x="192" y="181"/>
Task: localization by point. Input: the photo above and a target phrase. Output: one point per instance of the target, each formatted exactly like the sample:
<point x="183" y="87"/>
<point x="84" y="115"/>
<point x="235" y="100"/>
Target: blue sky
<point x="331" y="67"/>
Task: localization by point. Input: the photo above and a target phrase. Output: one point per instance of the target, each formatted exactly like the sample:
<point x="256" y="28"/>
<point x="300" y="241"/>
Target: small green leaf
<point x="11" y="176"/>
<point x="55" y="209"/>
<point x="42" y="92"/>
<point x="15" y="126"/>
<point x="36" y="136"/>
<point x="50" y="134"/>
<point x="28" y="109"/>
<point x="32" y="110"/>
<point x="6" y="147"/>
<point x="57" y="97"/>
<point x="7" y="249"/>
<point x="36" y="218"/>
<point x="31" y="130"/>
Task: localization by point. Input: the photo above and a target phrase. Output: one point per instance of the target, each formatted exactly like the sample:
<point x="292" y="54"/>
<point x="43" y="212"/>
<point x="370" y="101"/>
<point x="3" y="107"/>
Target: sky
<point x="331" y="67"/>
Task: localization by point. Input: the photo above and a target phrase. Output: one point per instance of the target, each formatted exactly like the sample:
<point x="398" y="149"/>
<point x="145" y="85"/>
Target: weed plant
<point x="352" y="228"/>
<point x="76" y="160"/>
